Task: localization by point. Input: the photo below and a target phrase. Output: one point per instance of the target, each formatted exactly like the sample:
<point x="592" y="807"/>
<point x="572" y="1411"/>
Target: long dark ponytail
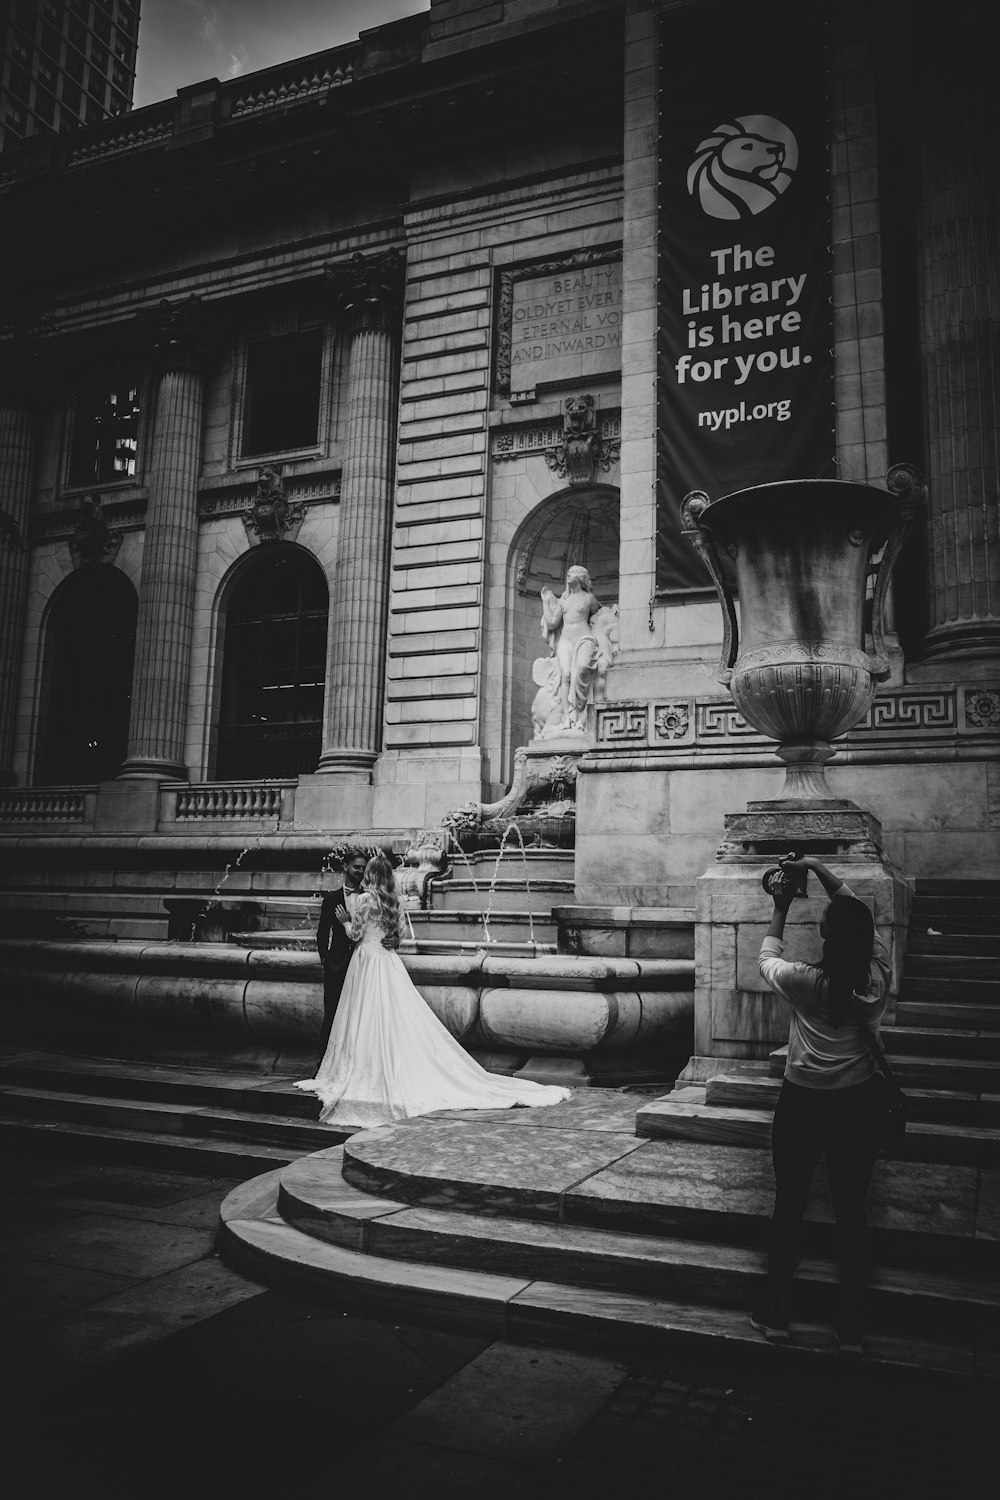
<point x="847" y="952"/>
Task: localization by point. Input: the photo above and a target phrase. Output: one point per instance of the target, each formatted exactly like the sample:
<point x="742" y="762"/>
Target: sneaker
<point x="772" y="1321"/>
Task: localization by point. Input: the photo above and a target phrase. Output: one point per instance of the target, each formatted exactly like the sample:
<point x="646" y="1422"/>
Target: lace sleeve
<point x="363" y="910"/>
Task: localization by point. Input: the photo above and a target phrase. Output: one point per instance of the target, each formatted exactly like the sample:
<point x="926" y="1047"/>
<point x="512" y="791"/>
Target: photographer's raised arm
<point x="830" y="882"/>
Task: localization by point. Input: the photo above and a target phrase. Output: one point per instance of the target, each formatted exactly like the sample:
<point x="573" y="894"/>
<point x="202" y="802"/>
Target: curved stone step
<point x="257" y="1241"/>
<point x="313" y="1197"/>
<point x="579" y="1163"/>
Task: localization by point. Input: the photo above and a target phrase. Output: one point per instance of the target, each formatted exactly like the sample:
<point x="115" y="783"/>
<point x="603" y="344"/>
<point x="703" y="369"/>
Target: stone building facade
<point x="312" y="380"/>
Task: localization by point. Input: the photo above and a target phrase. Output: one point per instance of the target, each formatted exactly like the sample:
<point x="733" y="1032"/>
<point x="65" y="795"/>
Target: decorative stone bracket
<point x="582" y="451"/>
<point x="92" y="541"/>
<point x="270" y="517"/>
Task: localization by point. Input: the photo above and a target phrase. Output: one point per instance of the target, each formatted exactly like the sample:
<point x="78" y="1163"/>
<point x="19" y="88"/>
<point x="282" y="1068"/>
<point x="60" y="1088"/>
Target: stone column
<point x="17" y="478"/>
<point x="959" y="266"/>
<point x="166" y="593"/>
<point x="356" y="642"/>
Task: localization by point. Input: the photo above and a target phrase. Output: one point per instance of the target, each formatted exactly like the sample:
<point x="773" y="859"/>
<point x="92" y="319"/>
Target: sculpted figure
<point x="579" y="632"/>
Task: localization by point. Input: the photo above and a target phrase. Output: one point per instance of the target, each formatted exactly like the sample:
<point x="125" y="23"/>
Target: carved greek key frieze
<point x="936" y="710"/>
<point x="722" y="721"/>
<point x="615" y="725"/>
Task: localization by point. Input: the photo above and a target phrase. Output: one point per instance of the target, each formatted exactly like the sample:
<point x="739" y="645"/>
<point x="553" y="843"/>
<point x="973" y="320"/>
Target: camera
<point x="777" y="880"/>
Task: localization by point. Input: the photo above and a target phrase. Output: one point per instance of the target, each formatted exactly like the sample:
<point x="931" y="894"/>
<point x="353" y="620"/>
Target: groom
<point x="335" y="947"/>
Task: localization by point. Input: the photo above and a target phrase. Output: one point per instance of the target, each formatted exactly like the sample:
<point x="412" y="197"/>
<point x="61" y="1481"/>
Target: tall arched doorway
<point x="577" y="527"/>
<point x="87" y="678"/>
<point x="273" y="669"/>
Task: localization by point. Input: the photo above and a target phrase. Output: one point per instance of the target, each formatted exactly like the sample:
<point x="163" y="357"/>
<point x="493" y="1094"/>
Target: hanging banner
<point x="745" y="363"/>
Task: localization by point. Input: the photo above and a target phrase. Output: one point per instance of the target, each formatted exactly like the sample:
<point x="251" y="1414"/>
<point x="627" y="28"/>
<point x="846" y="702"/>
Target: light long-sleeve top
<point x="821" y="1056"/>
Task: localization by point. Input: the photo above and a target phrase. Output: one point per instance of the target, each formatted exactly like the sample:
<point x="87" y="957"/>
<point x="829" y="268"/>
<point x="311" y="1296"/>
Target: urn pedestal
<point x="799" y="558"/>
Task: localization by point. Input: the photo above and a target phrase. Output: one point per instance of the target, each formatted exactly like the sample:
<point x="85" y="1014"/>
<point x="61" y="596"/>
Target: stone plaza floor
<point x="137" y="1364"/>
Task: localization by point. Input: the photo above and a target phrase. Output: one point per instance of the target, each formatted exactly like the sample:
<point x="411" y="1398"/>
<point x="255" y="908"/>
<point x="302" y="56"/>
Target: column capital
<point x="177" y="333"/>
<point x="368" y="289"/>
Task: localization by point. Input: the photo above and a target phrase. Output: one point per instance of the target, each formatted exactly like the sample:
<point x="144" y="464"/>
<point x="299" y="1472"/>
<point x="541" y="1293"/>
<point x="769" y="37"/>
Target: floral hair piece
<point x="340" y="854"/>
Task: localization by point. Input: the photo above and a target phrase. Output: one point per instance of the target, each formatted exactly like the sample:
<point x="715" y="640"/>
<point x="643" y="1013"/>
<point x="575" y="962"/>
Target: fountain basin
<point x="219" y="1002"/>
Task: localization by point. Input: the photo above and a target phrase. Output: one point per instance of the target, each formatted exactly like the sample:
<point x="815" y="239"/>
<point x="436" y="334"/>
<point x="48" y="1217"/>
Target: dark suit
<point x="335" y="949"/>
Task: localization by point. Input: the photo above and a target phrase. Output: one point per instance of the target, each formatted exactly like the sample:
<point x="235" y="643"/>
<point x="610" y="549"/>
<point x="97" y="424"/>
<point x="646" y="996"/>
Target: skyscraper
<point x="64" y="63"/>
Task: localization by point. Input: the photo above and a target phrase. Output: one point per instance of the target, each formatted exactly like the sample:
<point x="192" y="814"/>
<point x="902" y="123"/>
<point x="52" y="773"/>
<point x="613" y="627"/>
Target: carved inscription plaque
<point x="566" y="325"/>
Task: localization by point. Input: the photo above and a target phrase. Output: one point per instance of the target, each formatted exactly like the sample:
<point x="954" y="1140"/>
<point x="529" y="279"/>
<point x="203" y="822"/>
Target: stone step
<point x="584" y="1162"/>
<point x="949" y="1015"/>
<point x="261" y="1094"/>
<point x="314" y="1198"/>
<point x="468" y="926"/>
<point x="210" y="1156"/>
<point x="956" y="991"/>
<point x="920" y="941"/>
<point x="953" y="918"/>
<point x="257" y="1241"/>
<point x="956" y="1145"/>
<point x="537" y="894"/>
<point x="444" y="945"/>
<point x="967" y="1075"/>
<point x="949" y="966"/>
<point x="162" y="1118"/>
<point x="541" y="864"/>
<point x="944" y="1106"/>
<point x="908" y="1041"/>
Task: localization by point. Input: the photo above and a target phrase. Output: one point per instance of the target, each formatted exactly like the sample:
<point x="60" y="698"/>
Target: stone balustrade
<point x="47" y="804"/>
<point x="126" y="133"/>
<point x="206" y="107"/>
<point x="227" y="801"/>
<point x="293" y="83"/>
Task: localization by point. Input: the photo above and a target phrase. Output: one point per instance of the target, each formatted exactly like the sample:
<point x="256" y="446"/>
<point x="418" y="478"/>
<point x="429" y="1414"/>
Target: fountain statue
<point x="582" y="634"/>
<point x="583" y="641"/>
<point x="796" y="662"/>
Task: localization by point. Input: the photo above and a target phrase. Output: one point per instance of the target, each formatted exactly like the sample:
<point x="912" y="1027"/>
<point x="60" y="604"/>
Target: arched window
<point x="87" y="680"/>
<point x="273" y="670"/>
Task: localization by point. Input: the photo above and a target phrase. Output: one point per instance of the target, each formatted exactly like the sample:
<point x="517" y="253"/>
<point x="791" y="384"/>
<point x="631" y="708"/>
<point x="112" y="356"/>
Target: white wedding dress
<point x="389" y="1057"/>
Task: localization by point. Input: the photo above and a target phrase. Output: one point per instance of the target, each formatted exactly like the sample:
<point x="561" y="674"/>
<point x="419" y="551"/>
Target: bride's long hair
<point x="380" y="881"/>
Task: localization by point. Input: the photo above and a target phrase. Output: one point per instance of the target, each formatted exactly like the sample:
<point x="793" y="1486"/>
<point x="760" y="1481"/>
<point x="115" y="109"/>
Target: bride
<point x="389" y="1057"/>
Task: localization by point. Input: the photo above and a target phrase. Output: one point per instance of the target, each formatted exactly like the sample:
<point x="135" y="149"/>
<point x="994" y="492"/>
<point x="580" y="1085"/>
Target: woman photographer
<point x="832" y="1101"/>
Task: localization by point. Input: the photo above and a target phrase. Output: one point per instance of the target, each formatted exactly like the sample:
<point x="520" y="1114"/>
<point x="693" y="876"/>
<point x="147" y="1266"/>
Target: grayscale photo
<point x="499" y="749"/>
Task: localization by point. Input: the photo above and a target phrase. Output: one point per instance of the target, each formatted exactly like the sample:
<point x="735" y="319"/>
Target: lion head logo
<point x="743" y="167"/>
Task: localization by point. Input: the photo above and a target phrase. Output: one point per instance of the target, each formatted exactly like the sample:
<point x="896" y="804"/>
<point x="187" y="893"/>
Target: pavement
<point x="136" y="1364"/>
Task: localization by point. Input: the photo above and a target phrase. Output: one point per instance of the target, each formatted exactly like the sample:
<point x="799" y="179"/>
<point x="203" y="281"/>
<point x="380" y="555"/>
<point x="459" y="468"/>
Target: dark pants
<point x="843" y="1126"/>
<point x="333" y="983"/>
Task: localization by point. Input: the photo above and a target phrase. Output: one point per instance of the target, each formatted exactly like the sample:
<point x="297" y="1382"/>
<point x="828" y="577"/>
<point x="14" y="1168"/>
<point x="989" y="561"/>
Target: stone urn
<point x="795" y="658"/>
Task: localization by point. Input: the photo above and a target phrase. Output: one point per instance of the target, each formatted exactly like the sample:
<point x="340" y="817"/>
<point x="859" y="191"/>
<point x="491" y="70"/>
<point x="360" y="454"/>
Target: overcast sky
<point x="185" y="41"/>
